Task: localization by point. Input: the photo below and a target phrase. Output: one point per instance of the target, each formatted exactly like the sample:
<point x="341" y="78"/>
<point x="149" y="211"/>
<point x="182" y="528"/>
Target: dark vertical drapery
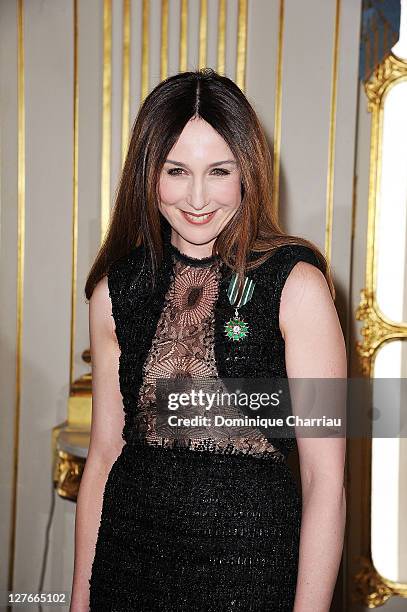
<point x="379" y="33"/>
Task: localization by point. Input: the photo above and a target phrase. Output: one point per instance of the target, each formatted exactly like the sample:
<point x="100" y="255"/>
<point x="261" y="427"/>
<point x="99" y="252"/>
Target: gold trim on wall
<point x="278" y="112"/>
<point x="241" y="45"/>
<point x="126" y="78"/>
<point x="183" y="37"/>
<point x="369" y="587"/>
<point x="164" y="40"/>
<point x="332" y="137"/>
<point x="145" y="49"/>
<point x="68" y="470"/>
<point x="107" y="115"/>
<point x="74" y="256"/>
<point x="221" y="37"/>
<point x="376" y="328"/>
<point x="20" y="280"/>
<point x="203" y="33"/>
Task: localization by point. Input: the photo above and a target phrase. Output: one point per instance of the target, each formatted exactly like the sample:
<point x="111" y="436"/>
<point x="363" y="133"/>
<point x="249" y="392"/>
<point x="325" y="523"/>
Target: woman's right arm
<point x="105" y="439"/>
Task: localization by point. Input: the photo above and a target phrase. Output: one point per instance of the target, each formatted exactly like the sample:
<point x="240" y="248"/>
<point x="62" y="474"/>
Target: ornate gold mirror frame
<point x="370" y="587"/>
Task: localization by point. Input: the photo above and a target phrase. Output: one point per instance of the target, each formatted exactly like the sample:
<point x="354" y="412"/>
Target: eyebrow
<point x="219" y="163"/>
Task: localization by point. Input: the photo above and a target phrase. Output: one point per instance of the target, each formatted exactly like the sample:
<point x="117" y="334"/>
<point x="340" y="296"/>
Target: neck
<point x="195" y="251"/>
<point x="184" y="252"/>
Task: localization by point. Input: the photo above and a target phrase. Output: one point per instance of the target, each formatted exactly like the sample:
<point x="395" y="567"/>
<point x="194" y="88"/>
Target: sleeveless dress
<point x="208" y="521"/>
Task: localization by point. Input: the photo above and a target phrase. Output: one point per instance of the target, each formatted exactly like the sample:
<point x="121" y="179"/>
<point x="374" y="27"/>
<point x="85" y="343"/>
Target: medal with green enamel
<point x="237" y="329"/>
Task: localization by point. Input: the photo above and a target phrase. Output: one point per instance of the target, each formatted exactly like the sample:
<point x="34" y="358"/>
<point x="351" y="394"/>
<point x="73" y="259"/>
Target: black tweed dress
<point x="213" y="523"/>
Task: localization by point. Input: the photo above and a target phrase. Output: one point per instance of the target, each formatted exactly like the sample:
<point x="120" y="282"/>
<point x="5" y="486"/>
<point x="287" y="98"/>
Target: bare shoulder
<point x="310" y="326"/>
<point x="100" y="308"/>
<point x="305" y="290"/>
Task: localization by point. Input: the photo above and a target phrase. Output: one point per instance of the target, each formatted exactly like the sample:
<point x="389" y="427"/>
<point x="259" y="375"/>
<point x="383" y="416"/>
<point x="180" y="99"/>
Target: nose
<point x="197" y="196"/>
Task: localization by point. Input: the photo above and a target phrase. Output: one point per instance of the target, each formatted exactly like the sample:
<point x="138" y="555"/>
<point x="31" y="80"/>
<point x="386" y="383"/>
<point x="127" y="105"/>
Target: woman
<point x="209" y="519"/>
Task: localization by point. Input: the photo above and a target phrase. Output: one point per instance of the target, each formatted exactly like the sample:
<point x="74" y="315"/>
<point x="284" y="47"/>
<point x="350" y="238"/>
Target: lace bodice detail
<point x="183" y="348"/>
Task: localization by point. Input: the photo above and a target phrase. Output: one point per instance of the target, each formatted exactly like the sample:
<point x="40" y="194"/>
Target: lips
<point x="201" y="219"/>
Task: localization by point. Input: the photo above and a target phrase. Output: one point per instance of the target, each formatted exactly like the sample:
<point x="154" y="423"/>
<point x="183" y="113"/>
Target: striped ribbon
<point x="246" y="294"/>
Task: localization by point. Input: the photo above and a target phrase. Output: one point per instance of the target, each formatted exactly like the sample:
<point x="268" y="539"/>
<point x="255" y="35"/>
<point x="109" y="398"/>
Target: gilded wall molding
<point x="164" y="40"/>
<point x="126" y="77"/>
<point x="369" y="587"/>
<point x="145" y="50"/>
<point x="376" y="328"/>
<point x="221" y="59"/>
<point x="106" y="116"/>
<point x="391" y="69"/>
<point x="183" y="37"/>
<point x="278" y="104"/>
<point x="203" y="34"/>
<point x="67" y="475"/>
<point x="20" y="281"/>
<point x="75" y="172"/>
<point x="241" y="45"/>
<point x="330" y="183"/>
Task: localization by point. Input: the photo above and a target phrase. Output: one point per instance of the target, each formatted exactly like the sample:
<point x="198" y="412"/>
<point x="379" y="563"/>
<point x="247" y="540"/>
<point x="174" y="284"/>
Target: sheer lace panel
<point x="183" y="347"/>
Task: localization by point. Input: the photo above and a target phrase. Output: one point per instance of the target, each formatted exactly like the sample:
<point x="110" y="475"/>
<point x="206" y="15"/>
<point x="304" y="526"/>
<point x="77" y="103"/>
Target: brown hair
<point x="163" y="115"/>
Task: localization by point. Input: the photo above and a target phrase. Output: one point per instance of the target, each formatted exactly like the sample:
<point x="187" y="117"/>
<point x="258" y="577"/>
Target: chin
<point x="197" y="235"/>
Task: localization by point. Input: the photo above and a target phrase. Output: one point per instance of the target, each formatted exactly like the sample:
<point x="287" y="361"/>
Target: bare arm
<point x="105" y="440"/>
<point x="315" y="348"/>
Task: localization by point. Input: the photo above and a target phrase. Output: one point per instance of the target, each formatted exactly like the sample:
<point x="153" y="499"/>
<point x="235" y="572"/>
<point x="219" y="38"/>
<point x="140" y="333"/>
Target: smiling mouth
<point x="198" y="219"/>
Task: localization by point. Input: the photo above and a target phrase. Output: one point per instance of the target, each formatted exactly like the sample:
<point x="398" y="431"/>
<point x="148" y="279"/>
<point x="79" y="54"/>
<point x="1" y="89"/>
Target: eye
<point x="222" y="171"/>
<point x="217" y="171"/>
<point x="174" y="171"/>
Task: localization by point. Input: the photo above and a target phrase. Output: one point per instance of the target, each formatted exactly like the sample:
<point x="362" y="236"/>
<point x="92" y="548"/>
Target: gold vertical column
<point x="107" y="115"/>
<point x="74" y="265"/>
<point x="332" y="137"/>
<point x="203" y="33"/>
<point x="183" y="42"/>
<point x="126" y="78"/>
<point x="145" y="49"/>
<point x="164" y="39"/>
<point x="20" y="279"/>
<point x="221" y="37"/>
<point x="241" y="45"/>
<point x="278" y="111"/>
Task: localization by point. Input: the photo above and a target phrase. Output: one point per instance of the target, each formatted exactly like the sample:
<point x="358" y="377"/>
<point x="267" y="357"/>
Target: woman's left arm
<point x="315" y="348"/>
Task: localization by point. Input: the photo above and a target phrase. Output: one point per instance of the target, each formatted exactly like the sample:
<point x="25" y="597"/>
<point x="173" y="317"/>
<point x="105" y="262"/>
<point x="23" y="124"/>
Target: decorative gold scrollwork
<point x="68" y="472"/>
<point x="391" y="69"/>
<point x="370" y="589"/>
<point x="375" y="331"/>
<point x="368" y="586"/>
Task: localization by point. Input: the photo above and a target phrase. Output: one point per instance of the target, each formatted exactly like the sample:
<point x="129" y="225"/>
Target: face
<point x="199" y="188"/>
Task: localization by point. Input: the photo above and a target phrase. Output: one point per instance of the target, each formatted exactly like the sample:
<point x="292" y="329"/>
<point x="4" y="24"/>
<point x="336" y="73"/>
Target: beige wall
<point x="308" y="123"/>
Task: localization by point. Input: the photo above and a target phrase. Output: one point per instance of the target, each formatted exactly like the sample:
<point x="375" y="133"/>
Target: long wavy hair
<point x="135" y="217"/>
